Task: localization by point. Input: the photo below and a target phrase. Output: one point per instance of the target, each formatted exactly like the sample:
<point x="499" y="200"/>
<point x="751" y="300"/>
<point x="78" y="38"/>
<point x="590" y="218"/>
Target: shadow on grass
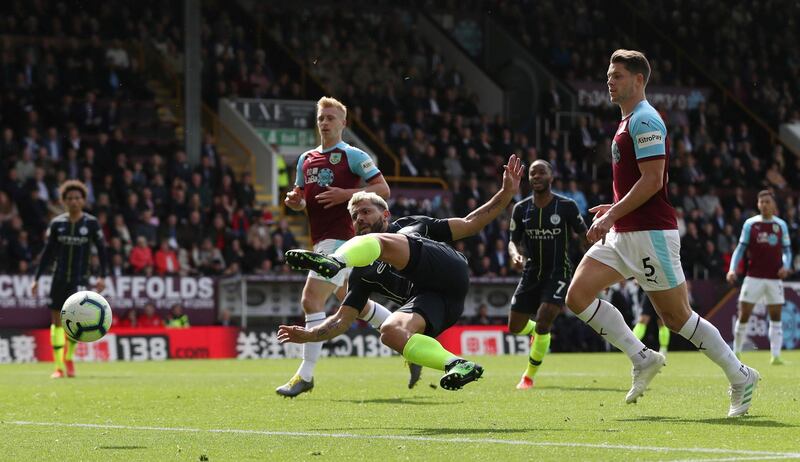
<point x="121" y="447"/>
<point x="411" y="400"/>
<point x="744" y="421"/>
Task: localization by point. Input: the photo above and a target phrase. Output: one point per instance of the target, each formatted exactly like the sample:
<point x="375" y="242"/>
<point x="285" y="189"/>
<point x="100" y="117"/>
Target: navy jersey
<point x="384" y="279"/>
<point x="69" y="245"/>
<point x="543" y="235"/>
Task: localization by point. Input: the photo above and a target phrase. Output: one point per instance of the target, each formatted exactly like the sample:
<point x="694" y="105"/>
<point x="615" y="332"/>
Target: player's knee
<point x="575" y="300"/>
<point x="674" y="321"/>
<point x="311" y="305"/>
<point x="394" y="336"/>
<point x="744" y="317"/>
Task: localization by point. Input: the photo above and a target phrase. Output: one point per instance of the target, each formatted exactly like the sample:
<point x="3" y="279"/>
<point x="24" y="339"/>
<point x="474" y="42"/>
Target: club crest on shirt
<point x="325" y="177"/>
<point x="775" y="228"/>
<point x="335" y="158"/>
<point x="615" y="155"/>
<point x="83" y="230"/>
<point x="555" y="219"/>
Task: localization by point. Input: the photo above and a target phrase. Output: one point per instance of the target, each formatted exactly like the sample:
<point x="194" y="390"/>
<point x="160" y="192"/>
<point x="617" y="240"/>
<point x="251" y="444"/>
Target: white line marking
<point x="623" y="447"/>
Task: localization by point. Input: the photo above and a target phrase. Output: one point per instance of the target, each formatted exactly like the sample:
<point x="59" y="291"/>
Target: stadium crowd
<point x="75" y="104"/>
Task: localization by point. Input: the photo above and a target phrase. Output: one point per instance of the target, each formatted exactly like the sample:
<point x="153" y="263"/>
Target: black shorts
<point x="441" y="280"/>
<point x="61" y="291"/>
<point x="647" y="307"/>
<point x="531" y="293"/>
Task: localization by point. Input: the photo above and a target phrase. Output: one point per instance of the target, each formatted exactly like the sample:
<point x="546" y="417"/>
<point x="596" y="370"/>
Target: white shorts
<point x="651" y="257"/>
<point x="327" y="247"/>
<point x="754" y="290"/>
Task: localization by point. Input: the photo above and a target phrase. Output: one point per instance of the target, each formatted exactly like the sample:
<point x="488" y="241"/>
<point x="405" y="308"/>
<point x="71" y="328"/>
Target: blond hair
<point x="328" y="101"/>
<point x="366" y="196"/>
<point x="72" y="185"/>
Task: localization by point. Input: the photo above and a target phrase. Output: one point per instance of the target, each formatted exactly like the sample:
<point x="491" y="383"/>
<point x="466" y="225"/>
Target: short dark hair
<point x="72" y="185"/>
<point x="634" y="61"/>
<point x="546" y="164"/>
<point x="766" y="192"/>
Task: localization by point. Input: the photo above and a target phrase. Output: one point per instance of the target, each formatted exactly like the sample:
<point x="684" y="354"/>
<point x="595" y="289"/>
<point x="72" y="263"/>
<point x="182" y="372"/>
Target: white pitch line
<point x="743" y="452"/>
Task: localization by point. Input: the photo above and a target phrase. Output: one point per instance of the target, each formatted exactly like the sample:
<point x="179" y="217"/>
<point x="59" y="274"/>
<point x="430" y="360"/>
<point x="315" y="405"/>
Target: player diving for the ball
<point x="409" y="262"/>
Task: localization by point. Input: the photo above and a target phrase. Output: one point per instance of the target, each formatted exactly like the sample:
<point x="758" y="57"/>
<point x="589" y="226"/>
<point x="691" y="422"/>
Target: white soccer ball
<point x="86" y="316"/>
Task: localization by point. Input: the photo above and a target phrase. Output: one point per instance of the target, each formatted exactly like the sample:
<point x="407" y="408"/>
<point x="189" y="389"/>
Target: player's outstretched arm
<point x="332" y="327"/>
<point x="483" y="215"/>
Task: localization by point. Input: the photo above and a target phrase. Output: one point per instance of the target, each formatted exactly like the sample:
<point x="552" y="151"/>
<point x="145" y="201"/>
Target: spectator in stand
<point x="225" y="318"/>
<point x="141" y="259"/>
<point x="130" y="320"/>
<point x="150" y="318"/>
<point x="177" y="319"/>
<point x="166" y="260"/>
<point x="118" y="266"/>
<point x="208" y="259"/>
<point x="482" y="317"/>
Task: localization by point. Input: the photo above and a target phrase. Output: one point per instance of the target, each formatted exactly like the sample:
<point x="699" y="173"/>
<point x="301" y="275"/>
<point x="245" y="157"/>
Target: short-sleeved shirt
<point x="69" y="244"/>
<point x="641" y="137"/>
<point x="544" y="234"/>
<point x="765" y="241"/>
<point x="342" y="166"/>
<point x="385" y="279"/>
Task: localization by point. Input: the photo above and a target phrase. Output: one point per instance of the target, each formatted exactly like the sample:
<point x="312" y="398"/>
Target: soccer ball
<point x="86" y="316"/>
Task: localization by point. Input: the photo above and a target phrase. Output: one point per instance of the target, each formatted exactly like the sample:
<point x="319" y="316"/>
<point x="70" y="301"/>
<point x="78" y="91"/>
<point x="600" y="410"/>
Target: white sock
<point x="707" y="339"/>
<point x="377" y="314"/>
<point x="739" y="334"/>
<point x="607" y="321"/>
<point x="775" y="337"/>
<point x="311" y="350"/>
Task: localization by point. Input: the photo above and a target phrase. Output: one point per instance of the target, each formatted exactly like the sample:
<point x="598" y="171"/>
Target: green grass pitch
<point x="361" y="409"/>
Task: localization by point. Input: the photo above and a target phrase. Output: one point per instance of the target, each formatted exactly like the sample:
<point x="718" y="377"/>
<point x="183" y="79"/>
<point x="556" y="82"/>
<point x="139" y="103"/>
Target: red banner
<point x="483" y="340"/>
<point x="127" y="345"/>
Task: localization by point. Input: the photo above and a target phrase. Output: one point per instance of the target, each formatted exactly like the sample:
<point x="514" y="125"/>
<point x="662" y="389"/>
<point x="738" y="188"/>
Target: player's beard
<point x="376" y="227"/>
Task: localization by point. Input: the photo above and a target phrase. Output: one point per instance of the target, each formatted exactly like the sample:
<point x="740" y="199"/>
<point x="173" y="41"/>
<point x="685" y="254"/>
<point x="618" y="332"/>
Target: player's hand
<point x="600" y="210"/>
<point x="294" y="200"/>
<point x="294" y="334"/>
<point x="333" y="196"/>
<point x="783" y="272"/>
<point x="601" y="223"/>
<point x="512" y="173"/>
<point x="731" y="277"/>
<point x="100" y="285"/>
<point x="517" y="262"/>
<point x="34" y="288"/>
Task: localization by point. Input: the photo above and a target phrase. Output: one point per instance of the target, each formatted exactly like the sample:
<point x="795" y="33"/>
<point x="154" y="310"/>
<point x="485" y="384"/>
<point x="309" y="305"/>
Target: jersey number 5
<point x="649" y="270"/>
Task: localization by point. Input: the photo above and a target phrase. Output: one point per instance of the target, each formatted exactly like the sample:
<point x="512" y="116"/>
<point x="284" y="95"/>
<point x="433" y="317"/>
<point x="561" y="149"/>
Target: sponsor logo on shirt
<point x="322" y="176"/>
<point x="367" y="165"/>
<point x="649" y="139"/>
<point x="543" y="234"/>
